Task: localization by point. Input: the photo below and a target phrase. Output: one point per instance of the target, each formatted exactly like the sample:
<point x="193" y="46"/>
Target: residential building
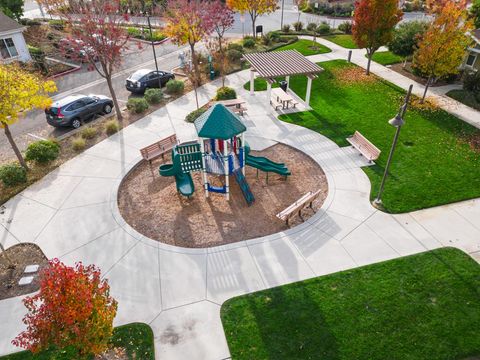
<point x="12" y="43"/>
<point x="472" y="60"/>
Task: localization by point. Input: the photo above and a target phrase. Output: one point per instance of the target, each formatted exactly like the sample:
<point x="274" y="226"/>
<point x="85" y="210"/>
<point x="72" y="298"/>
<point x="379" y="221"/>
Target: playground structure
<point x="220" y="151"/>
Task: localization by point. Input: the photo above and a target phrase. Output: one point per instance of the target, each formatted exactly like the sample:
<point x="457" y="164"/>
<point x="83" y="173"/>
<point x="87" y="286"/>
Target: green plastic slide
<point x="183" y="180"/>
<point x="267" y="165"/>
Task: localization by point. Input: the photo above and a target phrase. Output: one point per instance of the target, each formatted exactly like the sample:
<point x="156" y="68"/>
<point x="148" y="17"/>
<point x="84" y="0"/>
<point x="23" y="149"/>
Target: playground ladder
<point x="242" y="182"/>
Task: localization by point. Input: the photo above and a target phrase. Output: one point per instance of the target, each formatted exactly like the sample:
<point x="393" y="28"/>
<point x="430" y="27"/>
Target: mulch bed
<point x="21" y="255"/>
<point x="151" y="204"/>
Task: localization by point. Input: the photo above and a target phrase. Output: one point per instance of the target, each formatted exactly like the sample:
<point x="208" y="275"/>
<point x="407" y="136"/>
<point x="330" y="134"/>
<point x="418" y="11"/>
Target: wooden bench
<point x="297" y="207"/>
<point x="159" y="148"/>
<point x="366" y="148"/>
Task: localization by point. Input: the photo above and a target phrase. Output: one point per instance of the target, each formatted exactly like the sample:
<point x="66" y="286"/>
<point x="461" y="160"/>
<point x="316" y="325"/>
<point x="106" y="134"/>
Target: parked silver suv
<point x="73" y="110"/>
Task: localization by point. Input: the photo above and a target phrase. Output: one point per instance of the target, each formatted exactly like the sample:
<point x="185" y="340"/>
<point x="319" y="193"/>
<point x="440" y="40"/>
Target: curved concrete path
<point x="72" y="214"/>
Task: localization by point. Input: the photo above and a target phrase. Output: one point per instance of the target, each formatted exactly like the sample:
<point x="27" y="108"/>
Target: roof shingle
<point x="8" y="24"/>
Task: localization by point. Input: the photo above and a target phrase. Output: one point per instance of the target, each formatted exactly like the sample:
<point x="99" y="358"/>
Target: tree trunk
<point x="426" y="89"/>
<point x="11" y="264"/>
<point x="195" y="76"/>
<point x="222" y="59"/>
<point x="370" y="55"/>
<point x="17" y="152"/>
<point x="114" y="98"/>
<point x="254" y="19"/>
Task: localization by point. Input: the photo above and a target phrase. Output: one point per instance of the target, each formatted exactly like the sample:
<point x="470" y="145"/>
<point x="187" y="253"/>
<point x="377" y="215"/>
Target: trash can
<point x="283" y="85"/>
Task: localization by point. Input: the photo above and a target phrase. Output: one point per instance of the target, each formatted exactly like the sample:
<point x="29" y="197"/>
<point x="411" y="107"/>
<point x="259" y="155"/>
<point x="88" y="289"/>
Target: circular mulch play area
<point x="152" y="206"/>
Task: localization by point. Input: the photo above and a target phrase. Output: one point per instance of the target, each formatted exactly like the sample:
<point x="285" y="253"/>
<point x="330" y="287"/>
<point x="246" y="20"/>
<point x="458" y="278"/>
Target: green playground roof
<point x="219" y="123"/>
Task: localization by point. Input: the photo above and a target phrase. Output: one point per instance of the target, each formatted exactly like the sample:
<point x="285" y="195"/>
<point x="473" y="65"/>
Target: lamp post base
<point x="377" y="202"/>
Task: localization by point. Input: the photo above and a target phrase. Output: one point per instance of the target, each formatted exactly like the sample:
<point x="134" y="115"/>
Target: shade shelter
<point x="274" y="64"/>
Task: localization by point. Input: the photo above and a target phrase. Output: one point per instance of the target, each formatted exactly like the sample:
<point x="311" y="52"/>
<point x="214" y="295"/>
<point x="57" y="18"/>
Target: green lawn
<point x="306" y="47"/>
<point x="260" y="84"/>
<point x="386" y="58"/>
<point x="465" y="97"/>
<point x="343" y="40"/>
<point x="425" y="306"/>
<point x="433" y="164"/>
<point x="136" y="338"/>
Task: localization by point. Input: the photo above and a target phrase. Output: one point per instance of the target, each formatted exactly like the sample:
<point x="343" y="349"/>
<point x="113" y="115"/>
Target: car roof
<point x="67" y="100"/>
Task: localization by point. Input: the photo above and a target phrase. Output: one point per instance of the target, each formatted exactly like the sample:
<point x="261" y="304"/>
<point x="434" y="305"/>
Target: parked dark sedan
<point x="73" y="110"/>
<point x="143" y="79"/>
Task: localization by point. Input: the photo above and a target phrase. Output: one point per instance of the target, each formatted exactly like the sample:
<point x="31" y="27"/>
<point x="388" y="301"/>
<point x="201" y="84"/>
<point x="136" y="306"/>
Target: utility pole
<point x="154" y="53"/>
<point x="281" y="21"/>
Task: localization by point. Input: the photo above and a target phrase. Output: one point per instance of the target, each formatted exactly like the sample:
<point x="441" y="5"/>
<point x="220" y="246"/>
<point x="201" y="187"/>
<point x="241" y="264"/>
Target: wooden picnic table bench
<point x="281" y="97"/>
<point x="159" y="148"/>
<point x="297" y="207"/>
<point x="366" y="148"/>
<point x="234" y="105"/>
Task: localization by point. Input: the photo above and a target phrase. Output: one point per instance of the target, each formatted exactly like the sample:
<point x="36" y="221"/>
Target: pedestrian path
<point x="73" y="214"/>
<point x="448" y="104"/>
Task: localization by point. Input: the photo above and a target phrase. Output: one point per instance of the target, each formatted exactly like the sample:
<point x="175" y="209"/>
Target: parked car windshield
<point x="139" y="74"/>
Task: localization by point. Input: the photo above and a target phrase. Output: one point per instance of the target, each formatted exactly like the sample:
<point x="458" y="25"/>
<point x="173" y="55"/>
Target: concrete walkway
<point x="72" y="214"/>
<point x="454" y="107"/>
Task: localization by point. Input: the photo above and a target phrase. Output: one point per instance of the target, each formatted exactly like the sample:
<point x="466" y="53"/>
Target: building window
<point x="7" y="48"/>
<point x="471" y="59"/>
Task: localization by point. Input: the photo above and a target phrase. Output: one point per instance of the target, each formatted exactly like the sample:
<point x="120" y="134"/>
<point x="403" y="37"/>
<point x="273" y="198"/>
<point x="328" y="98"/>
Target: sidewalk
<point x="73" y="214"/>
<point x="448" y="104"/>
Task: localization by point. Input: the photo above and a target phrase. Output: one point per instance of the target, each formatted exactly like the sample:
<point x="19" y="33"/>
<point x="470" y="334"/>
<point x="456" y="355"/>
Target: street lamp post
<point x="153" y="48"/>
<point x="281" y="21"/>
<point x="397" y="122"/>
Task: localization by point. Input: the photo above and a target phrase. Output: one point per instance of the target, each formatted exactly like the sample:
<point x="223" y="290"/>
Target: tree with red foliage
<point x="373" y="24"/>
<point x="189" y="22"/>
<point x="98" y="36"/>
<point x="72" y="309"/>
<point x="222" y="20"/>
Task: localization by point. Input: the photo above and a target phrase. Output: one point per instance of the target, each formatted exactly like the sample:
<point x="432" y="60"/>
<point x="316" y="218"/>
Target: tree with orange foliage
<point x="255" y="8"/>
<point x="373" y="24"/>
<point x="442" y="48"/>
<point x="189" y="22"/>
<point x="72" y="309"/>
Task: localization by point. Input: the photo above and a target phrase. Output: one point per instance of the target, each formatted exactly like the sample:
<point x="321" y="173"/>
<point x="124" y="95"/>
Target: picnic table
<point x="283" y="97"/>
<point x="234" y="104"/>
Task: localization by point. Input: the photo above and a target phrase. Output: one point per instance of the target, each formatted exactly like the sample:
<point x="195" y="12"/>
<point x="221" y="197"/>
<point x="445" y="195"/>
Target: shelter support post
<point x="287" y="79"/>
<point x="309" y="88"/>
<point x="252" y="81"/>
<point x="269" y="92"/>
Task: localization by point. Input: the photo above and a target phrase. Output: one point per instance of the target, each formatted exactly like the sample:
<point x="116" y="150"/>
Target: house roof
<point x="219" y="123"/>
<point x="7" y="24"/>
<point x="281" y="63"/>
<point x="476" y="33"/>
